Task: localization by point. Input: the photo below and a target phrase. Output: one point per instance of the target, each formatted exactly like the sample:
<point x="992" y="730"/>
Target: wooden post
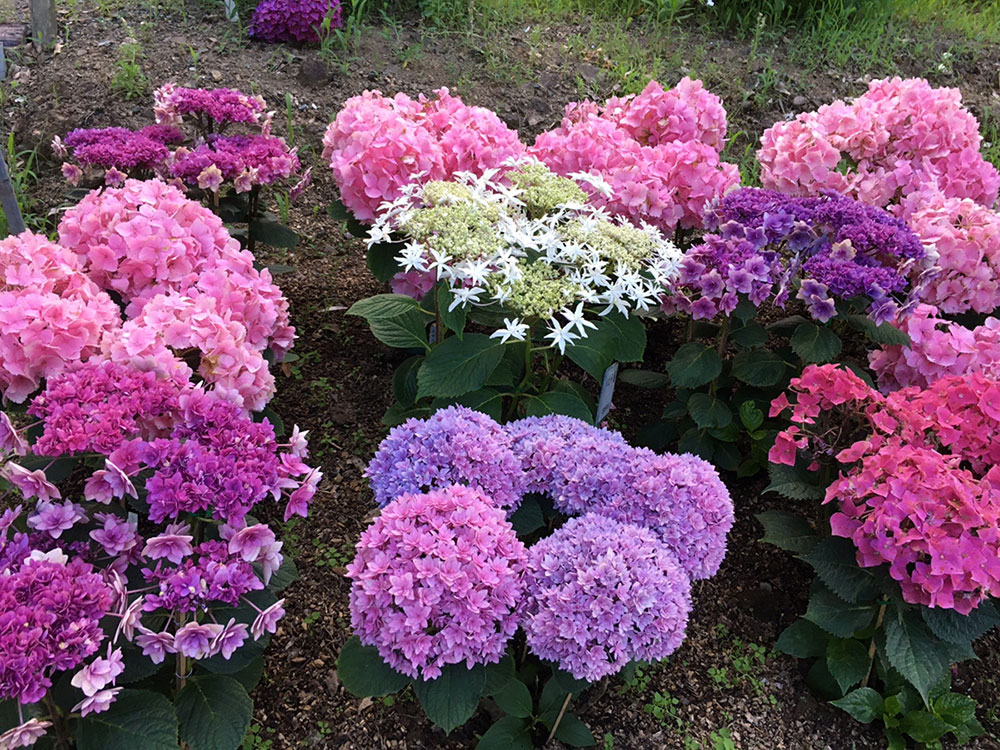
<point x="43" y="22"/>
<point x="8" y="201"/>
<point x="3" y="64"/>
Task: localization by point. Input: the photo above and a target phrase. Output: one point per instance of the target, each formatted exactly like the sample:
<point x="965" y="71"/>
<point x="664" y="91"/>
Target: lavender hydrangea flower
<point x="437" y="580"/>
<point x="603" y="593"/>
<point x="454" y="446"/>
<point x="293" y="20"/>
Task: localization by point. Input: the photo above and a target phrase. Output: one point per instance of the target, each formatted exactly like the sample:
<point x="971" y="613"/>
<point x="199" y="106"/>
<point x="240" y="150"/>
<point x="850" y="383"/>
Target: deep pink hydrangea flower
<point x="601" y="594"/>
<point x="245" y="160"/>
<point x="896" y="138"/>
<point x="454" y="446"/>
<point x="51" y="314"/>
<point x="293" y="20"/>
<point x="437" y="580"/>
<point x="117" y="147"/>
<point x="212" y="109"/>
<point x="376" y="145"/>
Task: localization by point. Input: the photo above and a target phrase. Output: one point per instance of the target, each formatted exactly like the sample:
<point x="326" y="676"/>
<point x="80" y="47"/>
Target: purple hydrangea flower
<point x="293" y="20"/>
<point x="602" y="594"/>
<point x="125" y="149"/>
<point x="454" y="446"/>
<point x="437" y="580"/>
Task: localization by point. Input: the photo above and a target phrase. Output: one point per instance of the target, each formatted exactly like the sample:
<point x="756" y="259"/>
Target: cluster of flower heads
<point x="918" y="489"/>
<point x="831" y="247"/>
<point x="51" y="314"/>
<point x="609" y="587"/>
<point x="898" y="137"/>
<point x="376" y="146"/>
<point x="938" y="347"/>
<point x="246" y="161"/>
<point x="532" y="248"/>
<point x="186" y="285"/>
<point x="211" y="109"/>
<point x="438" y="580"/>
<point x="658" y="151"/>
<point x="294" y="20"/>
<point x="116" y="151"/>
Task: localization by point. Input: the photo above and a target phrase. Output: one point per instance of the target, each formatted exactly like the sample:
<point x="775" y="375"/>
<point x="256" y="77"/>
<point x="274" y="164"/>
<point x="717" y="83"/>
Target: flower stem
<point x="871" y="647"/>
<point x="562" y="712"/>
<point x="181" y="672"/>
<point x="58" y="722"/>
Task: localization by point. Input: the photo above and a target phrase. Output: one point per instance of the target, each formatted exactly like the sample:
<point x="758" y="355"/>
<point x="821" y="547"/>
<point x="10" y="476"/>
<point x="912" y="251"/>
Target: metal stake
<point x="8" y="201"/>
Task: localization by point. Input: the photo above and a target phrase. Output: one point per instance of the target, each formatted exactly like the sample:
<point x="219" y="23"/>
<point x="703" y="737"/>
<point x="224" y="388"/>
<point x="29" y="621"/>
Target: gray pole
<point x="9" y="201"/>
<point x="43" y="22"/>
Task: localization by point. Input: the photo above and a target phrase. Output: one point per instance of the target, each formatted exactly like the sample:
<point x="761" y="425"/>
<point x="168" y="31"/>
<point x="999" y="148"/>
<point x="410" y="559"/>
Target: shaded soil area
<point x="719" y="683"/>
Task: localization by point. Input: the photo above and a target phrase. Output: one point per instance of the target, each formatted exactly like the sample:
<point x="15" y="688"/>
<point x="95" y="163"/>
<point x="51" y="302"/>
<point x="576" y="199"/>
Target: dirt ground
<point x="339" y="387"/>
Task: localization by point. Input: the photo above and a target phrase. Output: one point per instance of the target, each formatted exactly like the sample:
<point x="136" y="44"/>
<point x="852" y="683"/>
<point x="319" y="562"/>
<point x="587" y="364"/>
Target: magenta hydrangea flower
<point x="293" y="20"/>
<point x="212" y="109"/>
<point x="455" y="445"/>
<point x="437" y="580"/>
<point x="210" y="574"/>
<point x="50" y="616"/>
<point x="601" y="594"/>
<point x="117" y="147"/>
<point x="245" y="160"/>
<point x="98" y="406"/>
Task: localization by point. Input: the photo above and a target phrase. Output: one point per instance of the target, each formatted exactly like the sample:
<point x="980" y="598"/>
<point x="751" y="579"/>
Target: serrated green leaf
<point x="455" y="319"/>
<point x="745" y="309"/>
<point x="847" y="660"/>
<point x="864" y="704"/>
<point x="395" y="319"/>
<point x="949" y="625"/>
<point x="914" y="652"/>
<point x="514" y="698"/>
<point x="698" y="442"/>
<point x="694" y="365"/>
<point x="284" y="576"/>
<point x="381" y="259"/>
<point x="385" y="306"/>
<point x="644" y="378"/>
<point x="758" y="368"/>
<point x="885" y="334"/>
<point x="816" y="344"/>
<point x="749" y="336"/>
<point x="404" y="380"/>
<point x="709" y="412"/>
<point x="559" y="402"/>
<point x="486" y="400"/>
<point x="457" y="366"/>
<point x="528" y="517"/>
<point x="835" y="562"/>
<point x="789" y="482"/>
<point x="507" y="733"/>
<point x="788" y="531"/>
<point x="616" y="339"/>
<point x="214" y="712"/>
<point x="499" y="674"/>
<point x="274" y="234"/>
<point x="803" y="640"/>
<point x="574" y="732"/>
<point x="365" y="674"/>
<point x="834" y="615"/>
<point x="923" y="726"/>
<point x="137" y="719"/>
<point x="955" y="709"/>
<point x="751" y="416"/>
<point x="450" y="700"/>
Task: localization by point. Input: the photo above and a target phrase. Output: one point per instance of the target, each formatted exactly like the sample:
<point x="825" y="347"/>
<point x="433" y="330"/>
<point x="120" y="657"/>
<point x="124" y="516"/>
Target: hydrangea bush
<point x="303" y="21"/>
<point x="589" y="566"/>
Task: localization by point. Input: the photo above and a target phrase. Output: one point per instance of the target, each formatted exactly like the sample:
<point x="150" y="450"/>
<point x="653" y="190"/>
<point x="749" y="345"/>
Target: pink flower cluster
<point x="966" y="238"/>
<point x="893" y="140"/>
<point x="919" y="488"/>
<point x="247" y="161"/>
<point x="212" y="109"/>
<point x="376" y="145"/>
<point x="437" y="580"/>
<point x="938" y="347"/>
<point x="51" y="314"/>
<point x="658" y="152"/>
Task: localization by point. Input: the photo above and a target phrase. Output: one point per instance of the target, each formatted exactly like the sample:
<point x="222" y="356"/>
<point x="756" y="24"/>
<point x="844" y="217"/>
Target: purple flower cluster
<point x="602" y="594"/>
<point x="455" y="445"/>
<point x="100" y="405"/>
<point x="438" y="579"/>
<point x="245" y="160"/>
<point x="293" y="20"/>
<point x="209" y="573"/>
<point x="834" y="246"/>
<point x="50" y="611"/>
<point x="119" y="147"/>
<point x="212" y="108"/>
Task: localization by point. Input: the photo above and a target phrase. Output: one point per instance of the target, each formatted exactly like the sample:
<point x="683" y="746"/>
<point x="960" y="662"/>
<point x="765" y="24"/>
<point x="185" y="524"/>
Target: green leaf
<point x="454" y="320"/>
<point x="214" y="712"/>
<point x="803" y="640"/>
<point x="923" y="726"/>
<point x="788" y="531"/>
<point x="745" y="309"/>
<point x="574" y="732"/>
<point x="707" y="411"/>
<point x="528" y="517"/>
<point x="759" y="368"/>
<point x="749" y="336"/>
<point x="949" y="625"/>
<point x="751" y="416"/>
<point x="365" y="674"/>
<point x="338" y="211"/>
<point x="273" y="233"/>
<point x="616" y="339"/>
<point x="834" y="615"/>
<point x="914" y="652"/>
<point x="895" y="739"/>
<point x="457" y="366"/>
<point x="847" y="660"/>
<point x="698" y="442"/>
<point x="284" y="576"/>
<point x="815" y="343"/>
<point x="499" y="674"/>
<point x="568" y="682"/>
<point x="644" y="378"/>
<point x="786" y="326"/>
<point x="955" y="709"/>
<point x="792" y="483"/>
<point x="404" y="380"/>
<point x="395" y="319"/>
<point x="507" y="733"/>
<point x="834" y="561"/>
<point x="694" y="365"/>
<point x="385" y="306"/>
<point x="137" y="719"/>
<point x="885" y="334"/>
<point x="486" y="400"/>
<point x="559" y="402"/>
<point x="381" y="260"/>
<point x="451" y="699"/>
<point x="864" y="704"/>
<point x="251" y="674"/>
<point x="514" y="699"/>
